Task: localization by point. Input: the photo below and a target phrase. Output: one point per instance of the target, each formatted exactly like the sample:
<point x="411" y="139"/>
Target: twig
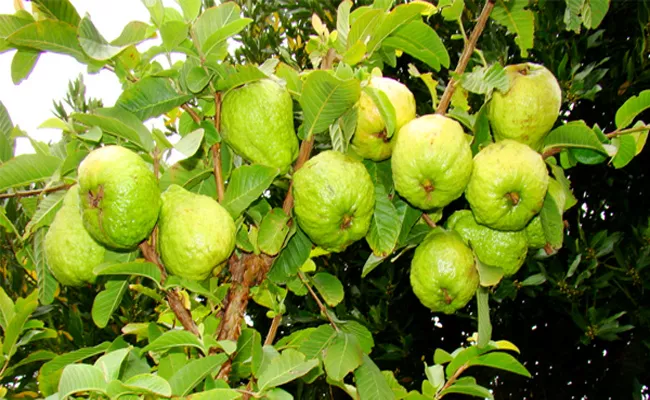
<point x="216" y="149"/>
<point x="428" y="220"/>
<point x="453" y="379"/>
<point x="305" y="150"/>
<point x="35" y="192"/>
<point x="465" y="56"/>
<point x="322" y="307"/>
<point x="273" y="330"/>
<point x="193" y="114"/>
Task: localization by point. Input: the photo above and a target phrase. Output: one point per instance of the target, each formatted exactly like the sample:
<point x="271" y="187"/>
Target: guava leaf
<point x="26" y="169"/>
<point x="484" y="324"/>
<point x="329" y="287"/>
<point x="575" y="134"/>
<point x="190" y="375"/>
<point x="61" y="10"/>
<point x="22" y="64"/>
<point x="151" y="97"/>
<point x="247" y="183"/>
<point x="626" y="150"/>
<point x="631" y="108"/>
<point x="49" y="35"/>
<point x="371" y="383"/>
<point x="343" y="356"/>
<point x="81" y="378"/>
<point x="107" y="301"/>
<point x="483" y="80"/>
<point x="514" y="15"/>
<point x="422" y="42"/>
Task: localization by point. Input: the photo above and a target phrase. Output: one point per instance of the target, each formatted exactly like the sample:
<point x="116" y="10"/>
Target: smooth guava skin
<point x="369" y="140"/>
<point x="503" y="249"/>
<point x="257" y="122"/>
<point x="334" y="200"/>
<point x="528" y="110"/>
<point x="535" y="233"/>
<point x="70" y="251"/>
<point x="501" y="169"/>
<point x="431" y="162"/>
<point x="195" y="233"/>
<point x="443" y="272"/>
<point x="119" y="195"/>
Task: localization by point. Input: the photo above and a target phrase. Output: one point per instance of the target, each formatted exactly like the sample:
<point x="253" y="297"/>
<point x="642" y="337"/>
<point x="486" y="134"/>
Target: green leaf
<point x="62" y="10"/>
<point x="364" y="24"/>
<point x="156" y="10"/>
<point x="632" y="107"/>
<point x="501" y="360"/>
<point x="194" y="372"/>
<point x="594" y="12"/>
<point x="343" y="22"/>
<point x="453" y="11"/>
<point x="385" y="107"/>
<point x="218" y="38"/>
<point x="173" y="33"/>
<point x="191" y="8"/>
<point x="575" y="134"/>
<point x="371" y="263"/>
<point x="94" y="44"/>
<point x="488" y="274"/>
<point x="273" y="231"/>
<point x="249" y="352"/>
<point x="288" y="366"/>
<point x="6" y="309"/>
<point x="45" y="212"/>
<point x="247" y="183"/>
<point x="237" y="76"/>
<point x="81" y="378"/>
<point x="26" y="169"/>
<point x="171" y="363"/>
<point x="110" y="363"/>
<point x="216" y="394"/>
<point x="172" y="339"/>
<point x="385" y="226"/>
<point x="62" y="360"/>
<point x="190" y="143"/>
<point x="515" y="16"/>
<point x="216" y="24"/>
<point x="343" y="356"/>
<point x="188" y="178"/>
<point x="197" y="79"/>
<point x="364" y="337"/>
<point x="626" y="146"/>
<point x="537" y="279"/>
<point x="139" y="268"/>
<point x="317" y="341"/>
<point x="36" y="356"/>
<point x="149" y="383"/>
<point x="329" y="287"/>
<point x="371" y="383"/>
<point x="107" y="301"/>
<point x="324" y="98"/>
<point x="47" y="284"/>
<point x="552" y="222"/>
<point x="22" y="64"/>
<point x="441" y="357"/>
<point x="483" y="80"/>
<point x="470" y="389"/>
<point x="435" y="375"/>
<point x="49" y="35"/>
<point x="120" y="123"/>
<point x="422" y="42"/>
<point x="484" y="324"/>
<point x="24" y="308"/>
<point x="398" y="17"/>
<point x="151" y="97"/>
<point x="398" y="390"/>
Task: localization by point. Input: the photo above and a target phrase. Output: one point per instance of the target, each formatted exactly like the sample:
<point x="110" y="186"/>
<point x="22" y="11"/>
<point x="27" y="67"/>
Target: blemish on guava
<point x="448" y="298"/>
<point x="95" y="199"/>
<point x="513" y="197"/>
<point x="347" y="221"/>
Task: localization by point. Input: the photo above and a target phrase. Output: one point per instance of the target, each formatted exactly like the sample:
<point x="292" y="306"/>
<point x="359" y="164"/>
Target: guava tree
<point x="126" y="276"/>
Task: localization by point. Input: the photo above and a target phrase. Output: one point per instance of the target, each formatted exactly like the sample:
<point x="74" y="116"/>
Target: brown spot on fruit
<point x="448" y="298"/>
<point x="347" y="221"/>
<point x="383" y="135"/>
<point x="513" y="197"/>
<point x="95" y="199"/>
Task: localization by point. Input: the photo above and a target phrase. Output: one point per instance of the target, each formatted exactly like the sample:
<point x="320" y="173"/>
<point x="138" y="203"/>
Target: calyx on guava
<point x="528" y="110"/>
<point x="431" y="162"/>
<point x="508" y="185"/>
<point x="195" y="234"/>
<point x="503" y="249"/>
<point x="370" y="139"/>
<point x="71" y="253"/>
<point x="443" y="272"/>
<point x="334" y="200"/>
<point x="257" y="122"/>
<point x="120" y="197"/>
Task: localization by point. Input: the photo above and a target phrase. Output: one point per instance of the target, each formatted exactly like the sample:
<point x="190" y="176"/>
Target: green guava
<point x="535" y="233"/>
<point x="443" y="272"/>
<point x="195" y="233"/>
<point x="70" y="251"/>
<point x="431" y="162"/>
<point x="334" y="200"/>
<point x="503" y="249"/>
<point x="370" y="139"/>
<point x="257" y="122"/>
<point x="508" y="185"/>
<point x="120" y="198"/>
<point x="528" y="110"/>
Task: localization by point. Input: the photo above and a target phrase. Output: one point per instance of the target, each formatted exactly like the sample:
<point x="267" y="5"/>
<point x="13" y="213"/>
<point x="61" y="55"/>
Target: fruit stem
<point x="216" y="149"/>
<point x="428" y="220"/>
<point x="465" y="56"/>
<point x="305" y="150"/>
<point x="35" y="192"/>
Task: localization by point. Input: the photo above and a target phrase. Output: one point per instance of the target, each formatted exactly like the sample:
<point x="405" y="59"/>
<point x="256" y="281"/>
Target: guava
<point x="507" y="186"/>
<point x="257" y="122"/>
<point x="120" y="198"/>
<point x="535" y="233"/>
<point x="334" y="200"/>
<point x="71" y="253"/>
<point x="443" y="272"/>
<point x="528" y="110"/>
<point x="195" y="233"/>
<point x="431" y="162"/>
<point x="370" y="139"/>
<point x="503" y="249"/>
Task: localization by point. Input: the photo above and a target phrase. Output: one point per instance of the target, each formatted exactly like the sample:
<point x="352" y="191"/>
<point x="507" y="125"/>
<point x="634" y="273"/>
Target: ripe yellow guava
<point x="119" y="195"/>
<point x="508" y="185"/>
<point x="257" y="122"/>
<point x="195" y="233"/>
<point x="443" y="272"/>
<point x="334" y="200"/>
<point x="431" y="162"/>
<point x="370" y="139"/>
<point x="71" y="253"/>
<point x="528" y="110"/>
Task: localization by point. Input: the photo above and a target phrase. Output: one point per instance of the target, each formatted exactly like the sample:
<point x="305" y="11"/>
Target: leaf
<point x="81" y="378"/>
<point x="6" y="309"/>
<point x="501" y="360"/>
<point x="453" y="11"/>
<point x="190" y="143"/>
<point x="49" y="35"/>
<point x="317" y="341"/>
<point x="343" y="356"/>
<point x="120" y="123"/>
<point x="94" y="44"/>
<point x="249" y="352"/>
<point x="371" y="383"/>
<point x="398" y="17"/>
<point x="594" y="12"/>
<point x="324" y="98"/>
<point x="632" y="107"/>
<point x="211" y="22"/>
<point x="62" y="360"/>
<point x="422" y="42"/>
<point x="22" y="64"/>
<point x="172" y="339"/>
<point x="514" y="15"/>
<point x="191" y="8"/>
<point x="173" y="33"/>
<point x="484" y="324"/>
<point x="552" y="222"/>
<point x="149" y="383"/>
<point x="489" y="275"/>
<point x="483" y="80"/>
<point x="150" y="97"/>
<point x="273" y="231"/>
<point x="371" y="263"/>
<point x="575" y="134"/>
<point x="139" y="268"/>
<point x="626" y="151"/>
<point x="385" y="226"/>
<point x="62" y="10"/>
<point x="216" y="394"/>
<point x="441" y="357"/>
<point x="238" y="76"/>
<point x="24" y="308"/>
<point x="471" y="389"/>
<point x="45" y="212"/>
<point x="247" y="183"/>
<point x="107" y="301"/>
<point x="288" y="366"/>
<point x="343" y="22"/>
<point x="218" y="38"/>
<point x="364" y="337"/>
<point x="194" y="372"/>
<point x="329" y="287"/>
<point x="197" y="79"/>
<point x="385" y="107"/>
<point x="47" y="284"/>
<point x="36" y="356"/>
<point x="110" y="363"/>
<point x="27" y="168"/>
<point x="187" y="178"/>
<point x="364" y="23"/>
<point x="535" y="280"/>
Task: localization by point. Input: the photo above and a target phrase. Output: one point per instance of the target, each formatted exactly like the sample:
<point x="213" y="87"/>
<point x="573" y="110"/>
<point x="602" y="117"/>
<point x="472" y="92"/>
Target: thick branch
<point x="35" y="192"/>
<point x="216" y="149"/>
<point x="465" y="56"/>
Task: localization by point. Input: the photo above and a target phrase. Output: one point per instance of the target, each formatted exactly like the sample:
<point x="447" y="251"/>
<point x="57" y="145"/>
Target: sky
<point x="30" y="103"/>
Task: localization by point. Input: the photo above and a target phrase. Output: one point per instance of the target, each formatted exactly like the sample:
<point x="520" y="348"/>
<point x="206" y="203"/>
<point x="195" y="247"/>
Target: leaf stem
<point x="627" y="131"/>
<point x="452" y="380"/>
<point x="322" y="307"/>
<point x="216" y="149"/>
<point x="35" y="192"/>
<point x="428" y="220"/>
<point x="465" y="56"/>
<point x="273" y="330"/>
<point x="193" y="114"/>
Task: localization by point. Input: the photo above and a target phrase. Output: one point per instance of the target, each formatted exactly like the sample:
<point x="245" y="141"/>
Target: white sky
<point x="30" y="102"/>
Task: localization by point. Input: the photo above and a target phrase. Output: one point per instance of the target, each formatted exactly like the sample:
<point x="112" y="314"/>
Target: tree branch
<point x="193" y="114"/>
<point x="35" y="192"/>
<point x="273" y="330"/>
<point x="305" y="151"/>
<point x="216" y="149"/>
<point x="465" y="56"/>
<point x="322" y="307"/>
